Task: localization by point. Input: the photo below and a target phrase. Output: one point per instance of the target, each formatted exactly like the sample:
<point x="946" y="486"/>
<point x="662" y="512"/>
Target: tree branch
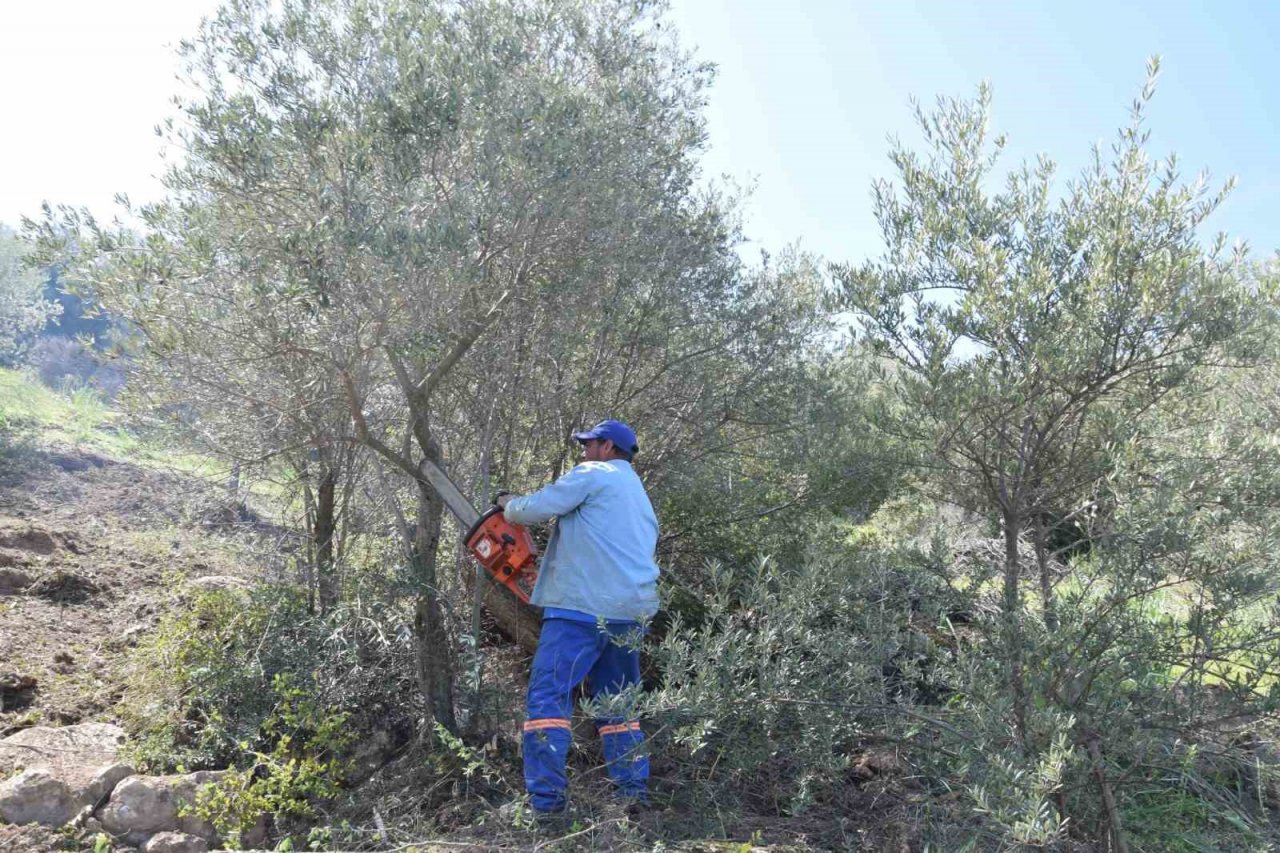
<point x="429" y="383"/>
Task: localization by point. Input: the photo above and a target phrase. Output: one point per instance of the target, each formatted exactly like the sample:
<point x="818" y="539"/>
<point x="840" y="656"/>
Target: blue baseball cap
<point x="622" y="436"/>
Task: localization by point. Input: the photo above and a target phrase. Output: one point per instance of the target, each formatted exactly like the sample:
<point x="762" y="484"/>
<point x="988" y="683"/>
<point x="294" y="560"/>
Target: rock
<point x="68" y="770"/>
<point x="13" y="580"/>
<point x="106" y="779"/>
<point x="36" y="796"/>
<point x="141" y="806"/>
<point x="226" y="586"/>
<point x="15" y="690"/>
<point x="91" y="745"/>
<point x="65" y="587"/>
<point x="175" y="842"/>
<point x="222" y="583"/>
<point x="29" y="837"/>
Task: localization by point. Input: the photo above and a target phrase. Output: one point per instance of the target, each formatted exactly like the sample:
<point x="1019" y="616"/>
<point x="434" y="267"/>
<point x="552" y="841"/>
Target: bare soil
<point x="91" y="550"/>
<point x="102" y="543"/>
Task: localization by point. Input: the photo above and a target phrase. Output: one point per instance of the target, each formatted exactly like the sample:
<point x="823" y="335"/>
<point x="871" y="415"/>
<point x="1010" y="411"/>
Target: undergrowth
<point x="805" y="693"/>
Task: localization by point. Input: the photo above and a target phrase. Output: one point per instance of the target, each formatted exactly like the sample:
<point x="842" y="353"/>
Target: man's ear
<point x="609" y="448"/>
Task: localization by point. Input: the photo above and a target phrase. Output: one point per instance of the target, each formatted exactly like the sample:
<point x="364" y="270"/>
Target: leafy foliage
<point x="302" y="767"/>
<point x="768" y="700"/>
<point x="23" y="308"/>
<point x="220" y="680"/>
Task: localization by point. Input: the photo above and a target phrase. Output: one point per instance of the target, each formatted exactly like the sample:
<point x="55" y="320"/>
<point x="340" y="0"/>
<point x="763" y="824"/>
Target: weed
<point x="88" y="413"/>
<point x="301" y="766"/>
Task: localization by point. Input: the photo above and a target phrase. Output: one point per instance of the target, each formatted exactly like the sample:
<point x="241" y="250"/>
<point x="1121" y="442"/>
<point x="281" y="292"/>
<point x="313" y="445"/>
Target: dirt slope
<point x="90" y="551"/>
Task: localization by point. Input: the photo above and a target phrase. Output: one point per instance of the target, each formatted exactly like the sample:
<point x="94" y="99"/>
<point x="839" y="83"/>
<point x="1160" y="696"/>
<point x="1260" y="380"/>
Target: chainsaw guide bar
<point x="503" y="548"/>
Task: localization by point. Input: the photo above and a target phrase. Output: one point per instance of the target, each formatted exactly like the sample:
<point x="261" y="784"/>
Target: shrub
<point x="219" y="670"/>
<point x="892" y="635"/>
<point x="302" y="766"/>
<point x="771" y="698"/>
<point x="66" y="363"/>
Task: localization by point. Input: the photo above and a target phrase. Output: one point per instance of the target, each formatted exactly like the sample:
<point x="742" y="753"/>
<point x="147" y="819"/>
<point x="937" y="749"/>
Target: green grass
<point x="1164" y="820"/>
<point x="79" y="418"/>
<point x="25" y="402"/>
<point x="33" y="414"/>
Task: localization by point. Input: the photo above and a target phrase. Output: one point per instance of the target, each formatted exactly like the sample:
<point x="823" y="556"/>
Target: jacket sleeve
<point x="561" y="497"/>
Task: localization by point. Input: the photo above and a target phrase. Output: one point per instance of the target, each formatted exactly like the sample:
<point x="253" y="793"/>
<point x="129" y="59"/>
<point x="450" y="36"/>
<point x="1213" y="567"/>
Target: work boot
<point x="553" y="823"/>
<point x="634" y="804"/>
<point x="520" y="814"/>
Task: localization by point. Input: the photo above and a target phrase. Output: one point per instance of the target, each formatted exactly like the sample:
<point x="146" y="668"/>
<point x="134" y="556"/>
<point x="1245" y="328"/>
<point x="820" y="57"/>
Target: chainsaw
<point x="505" y="550"/>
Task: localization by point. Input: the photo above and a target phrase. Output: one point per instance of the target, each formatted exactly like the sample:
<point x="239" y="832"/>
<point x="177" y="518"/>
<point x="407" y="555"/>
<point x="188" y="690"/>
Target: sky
<point x="807" y="95"/>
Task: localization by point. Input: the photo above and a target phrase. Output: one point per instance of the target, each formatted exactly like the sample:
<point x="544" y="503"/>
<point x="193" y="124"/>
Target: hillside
<point x="162" y="668"/>
<point x="111" y="561"/>
<point x="95" y="543"/>
<point x="97" y="536"/>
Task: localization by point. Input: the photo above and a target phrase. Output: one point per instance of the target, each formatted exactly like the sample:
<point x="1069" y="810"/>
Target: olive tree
<point x="1030" y="329"/>
<point x="386" y="209"/>
<point x="23" y="309"/>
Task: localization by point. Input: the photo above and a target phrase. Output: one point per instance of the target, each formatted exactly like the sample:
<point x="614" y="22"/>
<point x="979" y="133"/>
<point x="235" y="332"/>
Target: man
<point x="597" y="585"/>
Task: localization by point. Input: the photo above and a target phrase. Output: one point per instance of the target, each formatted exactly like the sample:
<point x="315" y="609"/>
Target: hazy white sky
<point x="806" y="95"/>
<point x="84" y="84"/>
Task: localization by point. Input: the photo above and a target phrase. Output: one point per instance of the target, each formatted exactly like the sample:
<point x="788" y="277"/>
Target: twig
<point x="924" y="718"/>
<point x="541" y="844"/>
<point x="461" y="845"/>
<point x="1108" y="796"/>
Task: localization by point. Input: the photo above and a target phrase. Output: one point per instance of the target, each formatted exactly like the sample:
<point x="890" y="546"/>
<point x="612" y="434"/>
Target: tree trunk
<point x="306" y="566"/>
<point x="323" y="534"/>
<point x="1114" y="831"/>
<point x="1046" y="575"/>
<point x="434" y="652"/>
<point x="1011" y="620"/>
<point x="233" y="484"/>
<point x="519" y="622"/>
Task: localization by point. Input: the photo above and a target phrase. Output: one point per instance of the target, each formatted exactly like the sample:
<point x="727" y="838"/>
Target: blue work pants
<point x="608" y="656"/>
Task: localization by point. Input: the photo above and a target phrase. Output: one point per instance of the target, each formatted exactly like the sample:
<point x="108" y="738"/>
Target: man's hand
<point x="502" y="498"/>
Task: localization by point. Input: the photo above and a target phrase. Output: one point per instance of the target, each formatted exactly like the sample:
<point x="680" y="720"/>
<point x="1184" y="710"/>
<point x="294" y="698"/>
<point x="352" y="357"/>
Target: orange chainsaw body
<point x="506" y="551"/>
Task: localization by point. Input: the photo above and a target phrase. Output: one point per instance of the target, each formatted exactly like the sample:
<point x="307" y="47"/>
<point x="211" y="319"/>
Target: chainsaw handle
<point x="479" y="522"/>
<point x="499" y="494"/>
